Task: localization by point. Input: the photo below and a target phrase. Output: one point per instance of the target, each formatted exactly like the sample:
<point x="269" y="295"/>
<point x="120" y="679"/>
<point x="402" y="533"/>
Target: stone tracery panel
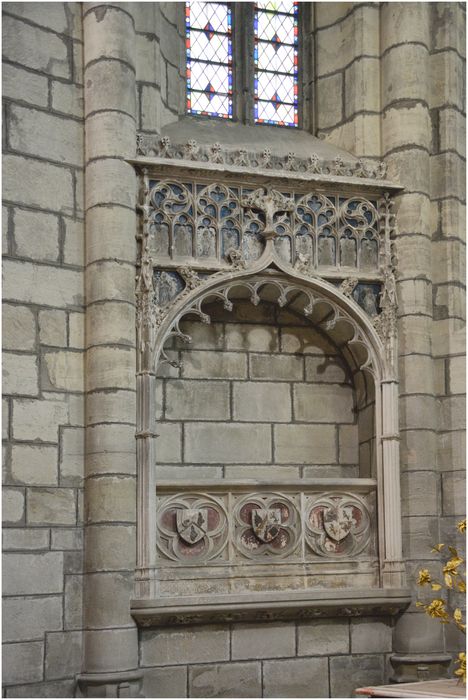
<point x="193" y="220"/>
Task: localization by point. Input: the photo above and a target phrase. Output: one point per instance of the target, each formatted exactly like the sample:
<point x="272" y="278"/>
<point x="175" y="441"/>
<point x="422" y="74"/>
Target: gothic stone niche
<point x="225" y="549"/>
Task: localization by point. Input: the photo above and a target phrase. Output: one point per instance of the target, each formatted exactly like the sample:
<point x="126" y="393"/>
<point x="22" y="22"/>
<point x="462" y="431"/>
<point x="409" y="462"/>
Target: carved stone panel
<point x="338" y="524"/>
<point x="192" y="527"/>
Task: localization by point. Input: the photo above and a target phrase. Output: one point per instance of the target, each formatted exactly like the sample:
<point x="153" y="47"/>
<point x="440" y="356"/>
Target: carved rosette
<point x="338" y="525"/>
<point x="266" y="525"/>
<point x="192" y="528"/>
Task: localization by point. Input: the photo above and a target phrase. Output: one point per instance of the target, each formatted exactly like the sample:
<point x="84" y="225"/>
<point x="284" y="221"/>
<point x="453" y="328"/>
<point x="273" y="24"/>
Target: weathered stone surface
<point x="205" y="336"/>
<point x="416" y="374"/>
<point x="403" y="69"/>
<point x="371" y="636"/>
<point x="419" y="536"/>
<point x="36" y="419"/>
<point x="76" y="330"/>
<point x="63" y="654"/>
<point x="329" y="369"/>
<point x="120" y="38"/>
<point x="23" y="538"/>
<point x="451" y="412"/>
<point x="276" y="367"/>
<point x="302" y="444"/>
<point x="20" y="374"/>
<point x="47" y="136"/>
<point x="110" y="548"/>
<point x="107" y="595"/>
<point x="305" y="341"/>
<point x="66" y="538"/>
<point x="41" y="284"/>
<point x="447" y="79"/>
<point x="34" y="465"/>
<point x="51" y="506"/>
<point x="12" y="505"/>
<point x="453" y="493"/>
<point x="110" y="368"/>
<point x="184" y="645"/>
<point x="36" y="235"/>
<point x="29" y="617"/>
<point x="197" y="400"/>
<point x="73" y="245"/>
<point x="35" y="48"/>
<point x="348" y="444"/>
<point x="451" y="450"/>
<point x="18" y="327"/>
<point x="110" y="133"/>
<point x="51" y="689"/>
<point x="112" y="406"/>
<point x="27" y="574"/>
<point x="298" y="678"/>
<point x="229" y="443"/>
<point x="214" y="365"/>
<point x="261" y="402"/>
<point x="72" y="456"/>
<point x="225" y="681"/>
<point x="110" y="86"/>
<point x="109" y="647"/>
<point x="165" y="682"/>
<point x="53" y="327"/>
<point x="24" y="86"/>
<point x="150" y="108"/>
<point x="329" y="100"/>
<point x="64" y="370"/>
<point x="22" y="662"/>
<point x="250" y="338"/>
<point x="420" y="493"/>
<point x="73" y="602"/>
<point x="362" y="86"/>
<point x="148" y="58"/>
<point x="168" y="445"/>
<point x="338" y="45"/>
<point x="348" y="673"/>
<point x="111" y="498"/>
<point x="251" y="642"/>
<point x="67" y="98"/>
<point x="322" y="638"/>
<point x="323" y="403"/>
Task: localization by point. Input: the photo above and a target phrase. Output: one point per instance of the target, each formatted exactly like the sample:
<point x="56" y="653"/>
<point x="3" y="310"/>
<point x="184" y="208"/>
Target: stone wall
<point x="271" y="396"/>
<point x="328" y="658"/>
<point x="160" y="63"/>
<point x="43" y="340"/>
<point x="388" y="84"/>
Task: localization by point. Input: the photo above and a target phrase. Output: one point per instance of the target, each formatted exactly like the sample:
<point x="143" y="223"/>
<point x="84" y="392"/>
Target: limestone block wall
<point x="260" y="394"/>
<point x="327" y="658"/>
<point x="160" y="63"/>
<point x="43" y="340"/>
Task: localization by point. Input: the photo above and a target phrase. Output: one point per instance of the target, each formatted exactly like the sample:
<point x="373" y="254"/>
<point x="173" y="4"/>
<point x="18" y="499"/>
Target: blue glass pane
<point x="209" y="58"/>
<point x="276" y="63"/>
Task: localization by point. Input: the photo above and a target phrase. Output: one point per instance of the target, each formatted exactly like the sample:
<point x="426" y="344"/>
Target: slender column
<point x="406" y="146"/>
<point x="111" y="641"/>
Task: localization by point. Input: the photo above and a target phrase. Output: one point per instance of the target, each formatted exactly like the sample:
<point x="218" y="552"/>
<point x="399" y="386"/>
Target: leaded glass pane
<point x="209" y="59"/>
<point x="276" y="63"/>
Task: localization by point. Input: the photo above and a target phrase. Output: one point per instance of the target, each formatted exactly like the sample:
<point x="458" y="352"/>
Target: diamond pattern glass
<point x="208" y="34"/>
<point x="276" y="63"/>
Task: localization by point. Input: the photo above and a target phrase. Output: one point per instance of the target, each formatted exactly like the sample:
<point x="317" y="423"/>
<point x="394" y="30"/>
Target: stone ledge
<point x="265" y="606"/>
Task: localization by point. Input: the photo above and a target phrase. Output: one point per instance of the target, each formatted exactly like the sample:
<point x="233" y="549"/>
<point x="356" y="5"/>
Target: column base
<point x="410" y="668"/>
<point x="124" y="684"/>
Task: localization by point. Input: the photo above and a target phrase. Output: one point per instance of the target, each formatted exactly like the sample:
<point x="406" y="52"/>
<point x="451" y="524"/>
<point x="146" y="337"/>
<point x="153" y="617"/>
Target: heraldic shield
<point x="266" y="523"/>
<point x="192" y="524"/>
<point x="338" y="521"/>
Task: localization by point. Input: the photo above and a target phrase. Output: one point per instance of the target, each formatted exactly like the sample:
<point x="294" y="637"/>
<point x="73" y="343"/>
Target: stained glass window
<point x="209" y="59"/>
<point x="276" y="63"/>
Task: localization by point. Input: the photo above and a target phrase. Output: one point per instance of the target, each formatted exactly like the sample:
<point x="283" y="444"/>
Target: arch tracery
<point x="356" y="309"/>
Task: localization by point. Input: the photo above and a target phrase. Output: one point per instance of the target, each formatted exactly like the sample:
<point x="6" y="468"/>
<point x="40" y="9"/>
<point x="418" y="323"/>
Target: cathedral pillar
<point x="406" y="147"/>
<point x="111" y="641"/>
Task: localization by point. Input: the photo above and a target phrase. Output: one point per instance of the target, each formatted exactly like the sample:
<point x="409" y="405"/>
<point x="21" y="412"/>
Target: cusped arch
<point x="286" y="283"/>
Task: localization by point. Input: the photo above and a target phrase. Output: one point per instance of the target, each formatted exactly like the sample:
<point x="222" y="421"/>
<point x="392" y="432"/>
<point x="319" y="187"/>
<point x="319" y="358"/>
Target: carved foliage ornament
<point x="148" y="145"/>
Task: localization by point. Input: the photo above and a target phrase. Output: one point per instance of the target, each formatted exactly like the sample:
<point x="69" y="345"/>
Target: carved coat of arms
<point x="338" y="521"/>
<point x="192" y="524"/>
<point x="266" y="523"/>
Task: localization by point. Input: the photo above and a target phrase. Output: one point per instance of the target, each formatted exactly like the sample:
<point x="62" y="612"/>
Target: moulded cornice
<point x="271" y="605"/>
